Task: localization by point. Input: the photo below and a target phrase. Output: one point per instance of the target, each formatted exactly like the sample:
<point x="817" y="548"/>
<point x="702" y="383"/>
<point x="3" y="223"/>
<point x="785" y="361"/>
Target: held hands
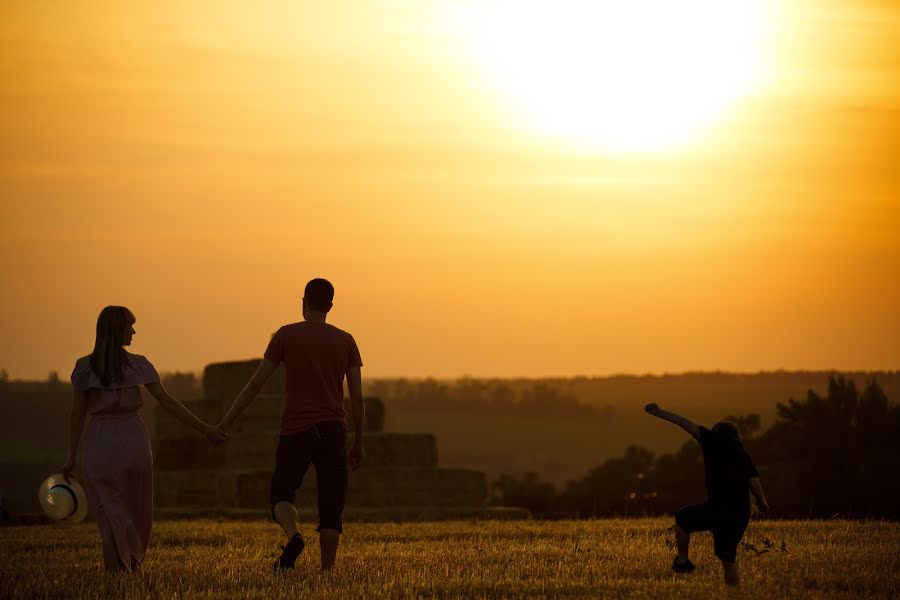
<point x="652" y="408"/>
<point x="216" y="434"/>
<point x="356" y="457"/>
<point x="762" y="506"/>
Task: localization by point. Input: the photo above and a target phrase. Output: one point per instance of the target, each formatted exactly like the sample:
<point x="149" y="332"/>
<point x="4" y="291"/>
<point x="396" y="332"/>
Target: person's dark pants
<point x="323" y="445"/>
<point x="726" y="525"/>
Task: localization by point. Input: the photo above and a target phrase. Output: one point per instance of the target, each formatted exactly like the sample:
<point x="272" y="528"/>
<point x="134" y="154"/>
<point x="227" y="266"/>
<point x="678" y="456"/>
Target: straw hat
<point x="63" y="501"/>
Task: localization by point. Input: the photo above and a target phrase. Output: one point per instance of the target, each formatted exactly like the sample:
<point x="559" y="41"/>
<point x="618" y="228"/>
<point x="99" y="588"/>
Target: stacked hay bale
<point x="400" y="479"/>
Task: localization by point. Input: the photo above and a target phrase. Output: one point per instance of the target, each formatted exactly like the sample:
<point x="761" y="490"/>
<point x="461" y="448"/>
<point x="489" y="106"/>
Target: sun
<point x="633" y="75"/>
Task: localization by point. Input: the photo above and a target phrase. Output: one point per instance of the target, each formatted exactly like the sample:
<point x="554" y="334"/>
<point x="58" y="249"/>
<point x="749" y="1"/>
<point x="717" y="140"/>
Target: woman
<point x="117" y="462"/>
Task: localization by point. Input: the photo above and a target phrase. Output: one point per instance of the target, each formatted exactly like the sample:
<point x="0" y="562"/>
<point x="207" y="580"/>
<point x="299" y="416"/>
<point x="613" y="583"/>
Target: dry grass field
<point x="589" y="559"/>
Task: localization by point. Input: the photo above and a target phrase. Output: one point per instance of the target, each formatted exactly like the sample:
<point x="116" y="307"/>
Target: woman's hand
<point x="652" y="408"/>
<point x="68" y="469"/>
<point x="216" y="435"/>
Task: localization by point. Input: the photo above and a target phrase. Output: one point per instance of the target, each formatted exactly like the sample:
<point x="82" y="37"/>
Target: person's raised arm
<point x="671" y="417"/>
<point x="757" y="490"/>
<point x="358" y="406"/>
<point x="249" y="393"/>
<point x="214" y="434"/>
<point x="76" y="426"/>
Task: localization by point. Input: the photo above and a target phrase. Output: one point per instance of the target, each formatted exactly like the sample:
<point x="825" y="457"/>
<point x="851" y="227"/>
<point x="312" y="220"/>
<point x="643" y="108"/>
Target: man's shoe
<point x="289" y="553"/>
<point x="682" y="567"/>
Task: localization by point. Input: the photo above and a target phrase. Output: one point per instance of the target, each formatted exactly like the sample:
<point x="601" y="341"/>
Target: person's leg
<point x="331" y="472"/>
<point x="726" y="538"/>
<point x="285" y="514"/>
<point x="328" y="546"/>
<point x="683" y="539"/>
<point x="731" y="573"/>
<point x="688" y="520"/>
<point x="291" y="462"/>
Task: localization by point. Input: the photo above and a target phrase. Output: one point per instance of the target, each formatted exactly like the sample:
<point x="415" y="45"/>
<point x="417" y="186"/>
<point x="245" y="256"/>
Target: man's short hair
<point x="319" y="294"/>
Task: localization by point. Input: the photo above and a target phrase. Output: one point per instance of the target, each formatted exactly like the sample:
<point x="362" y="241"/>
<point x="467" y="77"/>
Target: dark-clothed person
<point x="317" y="358"/>
<point x="726" y="511"/>
<point x="730" y="479"/>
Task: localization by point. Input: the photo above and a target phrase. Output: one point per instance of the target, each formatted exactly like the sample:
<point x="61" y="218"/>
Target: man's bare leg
<point x="286" y="516"/>
<point x="328" y="546"/>
<point x="683" y="539"/>
<point x="731" y="573"/>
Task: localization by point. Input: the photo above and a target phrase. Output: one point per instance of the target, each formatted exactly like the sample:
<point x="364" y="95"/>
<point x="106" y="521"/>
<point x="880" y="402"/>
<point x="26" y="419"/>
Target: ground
<point x="472" y="559"/>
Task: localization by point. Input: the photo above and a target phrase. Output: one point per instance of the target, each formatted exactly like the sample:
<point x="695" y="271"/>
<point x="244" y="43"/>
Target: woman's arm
<point x="214" y="434"/>
<point x="76" y="426"/>
<point x="682" y="422"/>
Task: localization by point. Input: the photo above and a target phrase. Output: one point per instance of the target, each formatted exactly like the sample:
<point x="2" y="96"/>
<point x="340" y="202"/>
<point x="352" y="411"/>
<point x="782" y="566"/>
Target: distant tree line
<point x="524" y="397"/>
<point x="824" y="456"/>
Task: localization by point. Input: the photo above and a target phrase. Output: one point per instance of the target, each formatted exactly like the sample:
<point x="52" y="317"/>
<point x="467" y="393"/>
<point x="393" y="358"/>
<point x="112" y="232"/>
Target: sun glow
<point x="619" y="75"/>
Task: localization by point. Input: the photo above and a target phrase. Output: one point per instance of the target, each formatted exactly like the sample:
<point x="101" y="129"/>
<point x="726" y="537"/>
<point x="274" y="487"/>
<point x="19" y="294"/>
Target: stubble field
<point x="471" y="559"/>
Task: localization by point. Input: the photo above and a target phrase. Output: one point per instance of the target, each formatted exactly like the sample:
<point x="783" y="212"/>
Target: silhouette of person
<point x="730" y="477"/>
<point x="117" y="463"/>
<point x="317" y="357"/>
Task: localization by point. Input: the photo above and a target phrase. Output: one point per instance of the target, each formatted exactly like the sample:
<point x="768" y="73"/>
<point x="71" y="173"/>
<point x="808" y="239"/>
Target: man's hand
<point x="356" y="457"/>
<point x="215" y="434"/>
<point x="652" y="408"/>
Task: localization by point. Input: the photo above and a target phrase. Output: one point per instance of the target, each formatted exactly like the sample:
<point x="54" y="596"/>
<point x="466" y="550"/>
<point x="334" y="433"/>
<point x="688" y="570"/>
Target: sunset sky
<point x="494" y="188"/>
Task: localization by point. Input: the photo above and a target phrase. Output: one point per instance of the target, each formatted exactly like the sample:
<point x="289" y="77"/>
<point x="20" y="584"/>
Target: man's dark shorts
<point x="323" y="445"/>
<point x="727" y="526"/>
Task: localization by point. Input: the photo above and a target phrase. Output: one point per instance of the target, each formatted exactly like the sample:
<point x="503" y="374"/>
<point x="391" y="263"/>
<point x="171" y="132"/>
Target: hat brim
<point x="81" y="500"/>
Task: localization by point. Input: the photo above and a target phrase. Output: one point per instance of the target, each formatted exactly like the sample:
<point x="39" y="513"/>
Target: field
<point x="595" y="559"/>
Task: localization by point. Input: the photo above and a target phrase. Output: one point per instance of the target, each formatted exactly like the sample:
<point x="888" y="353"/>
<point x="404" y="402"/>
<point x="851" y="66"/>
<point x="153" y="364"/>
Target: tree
<point x="528" y="492"/>
<point x="834" y="454"/>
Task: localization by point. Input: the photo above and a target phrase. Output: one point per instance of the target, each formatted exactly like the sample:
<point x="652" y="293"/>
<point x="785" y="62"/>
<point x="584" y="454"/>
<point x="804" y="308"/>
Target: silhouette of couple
<point x="117" y="462"/>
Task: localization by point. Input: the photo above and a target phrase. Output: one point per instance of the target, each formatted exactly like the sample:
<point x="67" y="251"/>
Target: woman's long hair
<point x="109" y="359"/>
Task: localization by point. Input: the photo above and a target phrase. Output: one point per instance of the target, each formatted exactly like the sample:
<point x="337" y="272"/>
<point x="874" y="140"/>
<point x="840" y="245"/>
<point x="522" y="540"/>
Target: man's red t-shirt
<point x="316" y="357"/>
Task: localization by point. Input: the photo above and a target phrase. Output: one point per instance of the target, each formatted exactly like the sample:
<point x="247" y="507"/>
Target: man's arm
<point x="249" y="393"/>
<point x="757" y="490"/>
<point x="358" y="406"/>
<point x="682" y="422"/>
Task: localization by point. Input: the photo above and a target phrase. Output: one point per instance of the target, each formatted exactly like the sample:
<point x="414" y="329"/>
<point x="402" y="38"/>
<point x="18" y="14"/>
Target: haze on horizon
<point x="199" y="162"/>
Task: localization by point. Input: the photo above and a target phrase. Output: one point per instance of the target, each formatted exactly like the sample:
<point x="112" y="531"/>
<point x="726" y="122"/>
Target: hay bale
<point x="266" y="406"/>
<point x="224" y="381"/>
<point x="368" y="488"/>
<point x="195" y="488"/>
<point x="257" y="425"/>
<point x="251" y="451"/>
<point x="399" y="449"/>
<point x="189" y="452"/>
<point x="166" y="425"/>
<point x="264" y="414"/>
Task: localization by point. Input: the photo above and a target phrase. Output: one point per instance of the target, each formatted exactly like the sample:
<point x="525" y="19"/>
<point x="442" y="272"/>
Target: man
<point x="317" y="357"/>
<point x="730" y="477"/>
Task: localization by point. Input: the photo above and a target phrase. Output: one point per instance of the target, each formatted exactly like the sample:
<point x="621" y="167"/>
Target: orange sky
<point x="199" y="163"/>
